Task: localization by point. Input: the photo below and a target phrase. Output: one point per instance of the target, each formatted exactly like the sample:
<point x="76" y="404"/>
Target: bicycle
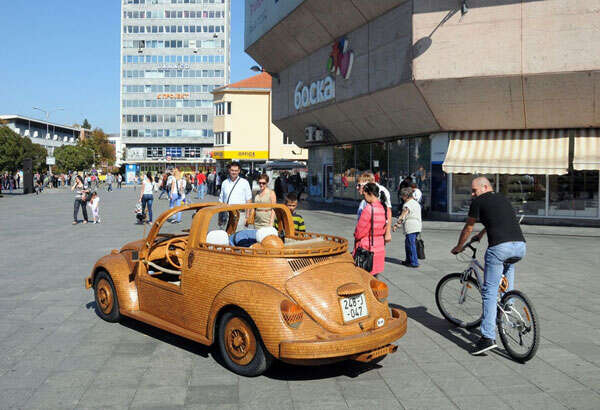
<point x="458" y="297"/>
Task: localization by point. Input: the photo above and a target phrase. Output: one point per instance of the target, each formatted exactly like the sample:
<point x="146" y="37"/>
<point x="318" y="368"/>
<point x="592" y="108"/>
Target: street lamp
<point x="47" y="113"/>
<point x="262" y="70"/>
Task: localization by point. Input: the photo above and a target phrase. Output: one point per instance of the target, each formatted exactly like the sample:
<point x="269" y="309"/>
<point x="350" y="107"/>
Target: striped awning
<point x="508" y="152"/>
<point x="587" y="149"/>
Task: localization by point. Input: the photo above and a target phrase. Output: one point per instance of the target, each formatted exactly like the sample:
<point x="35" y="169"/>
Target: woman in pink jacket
<point x="362" y="234"/>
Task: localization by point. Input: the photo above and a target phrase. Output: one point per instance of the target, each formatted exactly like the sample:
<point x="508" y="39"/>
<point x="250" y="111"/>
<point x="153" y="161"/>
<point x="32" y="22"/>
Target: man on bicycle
<point x="505" y="240"/>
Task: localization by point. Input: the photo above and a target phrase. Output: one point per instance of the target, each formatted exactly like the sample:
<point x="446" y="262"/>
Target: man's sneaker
<point x="483" y="345"/>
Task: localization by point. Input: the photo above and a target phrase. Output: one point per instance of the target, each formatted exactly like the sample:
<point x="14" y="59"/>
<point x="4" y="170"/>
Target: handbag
<point x="420" y="247"/>
<point x="363" y="258"/>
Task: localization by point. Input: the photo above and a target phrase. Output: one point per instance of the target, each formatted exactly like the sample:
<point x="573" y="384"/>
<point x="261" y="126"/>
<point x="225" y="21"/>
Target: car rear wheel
<point x="107" y="304"/>
<point x="240" y="345"/>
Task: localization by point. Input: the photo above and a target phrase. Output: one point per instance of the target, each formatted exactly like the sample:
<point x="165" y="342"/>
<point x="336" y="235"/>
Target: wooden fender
<point x="262" y="303"/>
<point x="123" y="278"/>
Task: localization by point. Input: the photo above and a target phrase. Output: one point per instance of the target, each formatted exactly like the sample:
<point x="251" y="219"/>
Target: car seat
<point x="217" y="237"/>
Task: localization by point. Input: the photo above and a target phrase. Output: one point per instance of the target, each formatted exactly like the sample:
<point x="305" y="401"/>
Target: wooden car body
<point x="313" y="271"/>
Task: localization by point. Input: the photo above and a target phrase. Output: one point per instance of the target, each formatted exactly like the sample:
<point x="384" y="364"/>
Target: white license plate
<point x="354" y="307"/>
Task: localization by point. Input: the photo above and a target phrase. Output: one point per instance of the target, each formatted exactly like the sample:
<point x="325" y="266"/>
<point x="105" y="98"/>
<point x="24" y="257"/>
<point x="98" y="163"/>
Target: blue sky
<point x="65" y="53"/>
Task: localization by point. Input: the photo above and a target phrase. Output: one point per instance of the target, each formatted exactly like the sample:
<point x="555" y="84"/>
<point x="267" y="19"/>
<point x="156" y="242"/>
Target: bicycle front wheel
<point x="459" y="301"/>
<point x="518" y="326"/>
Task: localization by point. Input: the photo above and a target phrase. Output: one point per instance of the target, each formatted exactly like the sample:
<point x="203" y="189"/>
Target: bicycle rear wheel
<point x="459" y="301"/>
<point x="518" y="326"/>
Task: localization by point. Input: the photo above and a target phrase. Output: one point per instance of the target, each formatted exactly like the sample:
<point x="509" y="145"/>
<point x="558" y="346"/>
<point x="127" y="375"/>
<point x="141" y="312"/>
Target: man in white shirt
<point x="236" y="190"/>
<point x="364" y="179"/>
<point x="416" y="193"/>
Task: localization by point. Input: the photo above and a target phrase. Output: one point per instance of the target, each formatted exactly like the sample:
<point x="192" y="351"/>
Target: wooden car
<point x="293" y="296"/>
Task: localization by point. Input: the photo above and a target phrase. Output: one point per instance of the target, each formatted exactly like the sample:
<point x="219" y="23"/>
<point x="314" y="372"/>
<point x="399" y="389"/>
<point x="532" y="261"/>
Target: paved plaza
<point x="56" y="353"/>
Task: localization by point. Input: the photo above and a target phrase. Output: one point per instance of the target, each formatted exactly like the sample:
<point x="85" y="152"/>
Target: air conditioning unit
<point x="309" y="133"/>
<point x="318" y="135"/>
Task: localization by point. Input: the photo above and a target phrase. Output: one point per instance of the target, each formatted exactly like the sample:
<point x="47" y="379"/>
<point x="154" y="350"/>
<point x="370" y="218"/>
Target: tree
<point x="73" y="158"/>
<point x="14" y="149"/>
<point x="86" y="124"/>
<point x="104" y="151"/>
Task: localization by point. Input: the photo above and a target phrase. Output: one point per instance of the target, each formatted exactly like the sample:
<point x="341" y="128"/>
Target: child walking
<point x="95" y="207"/>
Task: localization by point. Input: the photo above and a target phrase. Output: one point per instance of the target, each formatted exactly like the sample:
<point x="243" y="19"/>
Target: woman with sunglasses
<point x="263" y="217"/>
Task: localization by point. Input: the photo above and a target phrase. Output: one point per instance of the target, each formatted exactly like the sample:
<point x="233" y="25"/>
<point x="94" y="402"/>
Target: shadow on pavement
<point x="162" y="335"/>
<point x="395" y="261"/>
<point x="348" y="368"/>
<point x="459" y="336"/>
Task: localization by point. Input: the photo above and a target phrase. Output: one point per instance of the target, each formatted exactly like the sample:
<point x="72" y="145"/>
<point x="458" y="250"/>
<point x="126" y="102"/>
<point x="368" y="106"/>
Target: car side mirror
<point x="135" y="256"/>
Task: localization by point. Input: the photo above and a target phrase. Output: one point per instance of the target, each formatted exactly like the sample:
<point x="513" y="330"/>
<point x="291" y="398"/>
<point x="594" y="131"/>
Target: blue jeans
<point x="410" y="248"/>
<point x="175" y="200"/>
<point x="494" y="258"/>
<point x="147" y="201"/>
<point x="201" y="191"/>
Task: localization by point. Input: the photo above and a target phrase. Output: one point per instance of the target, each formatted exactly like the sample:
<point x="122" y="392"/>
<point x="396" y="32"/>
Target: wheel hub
<point x="240" y="341"/>
<point x="104" y="296"/>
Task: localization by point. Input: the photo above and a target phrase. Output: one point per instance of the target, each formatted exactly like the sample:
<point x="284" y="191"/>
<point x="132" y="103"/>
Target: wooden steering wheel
<point x="174" y="251"/>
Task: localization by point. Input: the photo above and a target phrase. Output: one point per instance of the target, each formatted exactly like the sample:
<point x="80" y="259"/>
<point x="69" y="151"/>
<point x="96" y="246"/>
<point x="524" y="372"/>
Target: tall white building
<point x="173" y="54"/>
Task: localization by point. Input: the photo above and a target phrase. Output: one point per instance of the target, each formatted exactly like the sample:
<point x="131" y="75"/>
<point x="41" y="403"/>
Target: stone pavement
<point x="55" y="352"/>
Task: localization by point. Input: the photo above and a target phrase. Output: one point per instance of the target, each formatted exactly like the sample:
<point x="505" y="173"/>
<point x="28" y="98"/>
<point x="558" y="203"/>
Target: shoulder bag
<point x="420" y="247"/>
<point x="223" y="215"/>
<point x="363" y="258"/>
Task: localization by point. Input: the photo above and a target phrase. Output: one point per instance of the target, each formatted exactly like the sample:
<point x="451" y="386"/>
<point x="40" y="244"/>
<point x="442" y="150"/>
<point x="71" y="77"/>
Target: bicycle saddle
<point x="510" y="261"/>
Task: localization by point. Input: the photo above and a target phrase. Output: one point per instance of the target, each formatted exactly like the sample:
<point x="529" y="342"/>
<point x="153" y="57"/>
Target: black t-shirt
<point x="496" y="213"/>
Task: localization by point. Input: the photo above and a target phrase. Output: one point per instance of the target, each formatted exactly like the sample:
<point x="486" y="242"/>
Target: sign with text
<point x="173" y="96"/>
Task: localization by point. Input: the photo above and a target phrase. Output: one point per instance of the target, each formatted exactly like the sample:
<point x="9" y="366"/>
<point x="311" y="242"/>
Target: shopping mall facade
<point x="440" y="91"/>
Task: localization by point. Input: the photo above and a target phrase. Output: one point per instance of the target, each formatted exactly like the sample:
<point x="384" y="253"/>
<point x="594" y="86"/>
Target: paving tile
<point x="533" y="401"/>
<point x="107" y="397"/>
<point x="159" y="376"/>
<point x="14" y="398"/>
<point x="578" y="399"/>
<point x="50" y="397"/>
<point x="212" y="394"/>
<point x="480" y="403"/>
<point x="159" y="396"/>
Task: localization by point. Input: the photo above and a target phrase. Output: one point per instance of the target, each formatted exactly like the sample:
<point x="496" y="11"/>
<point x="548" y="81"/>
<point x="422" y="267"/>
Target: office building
<point x="243" y="128"/>
<point x="173" y="54"/>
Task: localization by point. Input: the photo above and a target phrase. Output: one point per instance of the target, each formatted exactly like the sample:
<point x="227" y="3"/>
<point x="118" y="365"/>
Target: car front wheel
<point x="240" y="345"/>
<point x="107" y="304"/>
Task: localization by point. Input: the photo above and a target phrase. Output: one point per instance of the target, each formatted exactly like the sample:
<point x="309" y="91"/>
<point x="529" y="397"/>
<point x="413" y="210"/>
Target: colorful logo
<point x="341" y="58"/>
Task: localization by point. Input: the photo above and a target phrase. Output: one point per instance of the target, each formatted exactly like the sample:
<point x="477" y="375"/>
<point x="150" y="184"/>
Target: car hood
<point x="133" y="246"/>
<point x="316" y="291"/>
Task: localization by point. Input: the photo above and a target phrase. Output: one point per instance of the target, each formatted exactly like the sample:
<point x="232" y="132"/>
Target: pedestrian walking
<point x="505" y="240"/>
<point x="211" y="178"/>
<point x="119" y="181"/>
<point x="110" y="179"/>
<point x="410" y="218"/>
<point x="164" y="185"/>
<point x="200" y="185"/>
<point x="371" y="228"/>
<point x="176" y="193"/>
<point x="384" y="197"/>
<point x="80" y="199"/>
<point x="147" y="196"/>
<point x="189" y="187"/>
<point x="263" y="217"/>
<point x="94" y="204"/>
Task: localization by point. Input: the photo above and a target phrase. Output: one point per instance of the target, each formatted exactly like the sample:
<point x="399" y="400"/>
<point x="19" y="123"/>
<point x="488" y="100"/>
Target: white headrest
<point x="262" y="233"/>
<point x="218" y="237"/>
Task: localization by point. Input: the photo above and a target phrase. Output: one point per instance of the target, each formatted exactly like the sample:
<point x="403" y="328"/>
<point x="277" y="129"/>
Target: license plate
<point x="354" y="307"/>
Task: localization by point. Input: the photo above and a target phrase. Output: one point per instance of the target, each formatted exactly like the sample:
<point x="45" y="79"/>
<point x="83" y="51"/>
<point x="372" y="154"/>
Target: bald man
<point x="505" y="240"/>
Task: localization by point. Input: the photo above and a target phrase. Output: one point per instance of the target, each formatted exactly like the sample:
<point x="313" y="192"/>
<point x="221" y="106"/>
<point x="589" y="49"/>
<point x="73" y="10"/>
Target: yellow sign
<point x="171" y="96"/>
<point x="240" y="154"/>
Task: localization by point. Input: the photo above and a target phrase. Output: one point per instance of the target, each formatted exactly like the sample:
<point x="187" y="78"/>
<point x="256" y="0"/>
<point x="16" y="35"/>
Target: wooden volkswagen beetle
<point x="295" y="296"/>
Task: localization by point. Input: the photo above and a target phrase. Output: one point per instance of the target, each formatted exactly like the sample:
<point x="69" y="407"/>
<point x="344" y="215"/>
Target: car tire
<point x="107" y="304"/>
<point x="240" y="345"/>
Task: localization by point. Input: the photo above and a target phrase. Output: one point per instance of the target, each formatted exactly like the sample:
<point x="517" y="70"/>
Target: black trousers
<point x="79" y="203"/>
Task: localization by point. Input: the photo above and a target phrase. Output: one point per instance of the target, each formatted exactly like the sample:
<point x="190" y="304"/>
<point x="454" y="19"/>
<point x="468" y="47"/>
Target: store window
<point x="461" y="191"/>
<point x="410" y="160"/>
<point x="344" y="177"/>
<point x="574" y="195"/>
<point x="526" y="193"/>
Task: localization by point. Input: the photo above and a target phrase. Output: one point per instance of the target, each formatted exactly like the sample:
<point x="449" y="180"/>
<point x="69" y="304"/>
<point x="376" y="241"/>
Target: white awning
<point x="508" y="152"/>
<point x="587" y="150"/>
